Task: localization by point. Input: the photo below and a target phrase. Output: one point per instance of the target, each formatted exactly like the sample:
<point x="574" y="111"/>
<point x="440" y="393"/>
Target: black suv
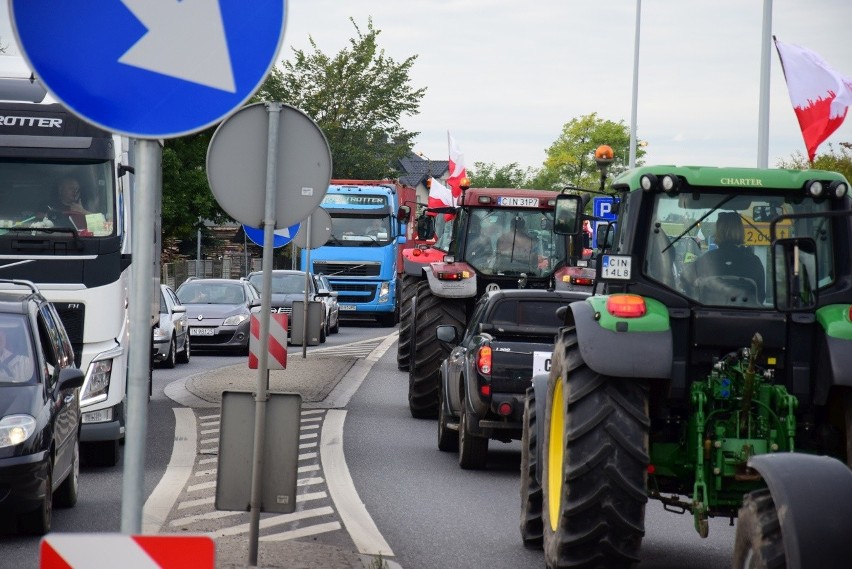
<point x="289" y="286"/>
<point x="39" y="409"/>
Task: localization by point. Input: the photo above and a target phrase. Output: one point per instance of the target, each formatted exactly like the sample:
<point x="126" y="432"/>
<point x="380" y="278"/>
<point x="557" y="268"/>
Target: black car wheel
<point x="66" y="494"/>
<point x="183" y="357"/>
<point x="448" y="441"/>
<point x="171" y="357"/>
<point x="473" y="450"/>
<point x="38" y="521"/>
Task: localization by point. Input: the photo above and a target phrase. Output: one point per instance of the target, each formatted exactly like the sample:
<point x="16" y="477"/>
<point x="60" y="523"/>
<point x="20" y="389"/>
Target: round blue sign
<point x="150" y="69"/>
<point x="280" y="237"/>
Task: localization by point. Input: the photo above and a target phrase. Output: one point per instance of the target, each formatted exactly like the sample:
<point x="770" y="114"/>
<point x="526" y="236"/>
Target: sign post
<point x="157" y="82"/>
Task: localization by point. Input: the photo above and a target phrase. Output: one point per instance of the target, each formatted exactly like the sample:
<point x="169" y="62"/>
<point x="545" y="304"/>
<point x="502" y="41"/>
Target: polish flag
<point x="440" y="195"/>
<point x="457" y="169"/>
<point x="820" y="95"/>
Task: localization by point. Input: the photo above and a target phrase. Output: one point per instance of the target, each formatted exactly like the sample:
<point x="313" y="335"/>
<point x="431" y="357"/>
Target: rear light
<point x="483" y="360"/>
<point x="485" y="390"/>
<point x="452" y="275"/>
<point x="583" y="281"/>
<point x="651" y="469"/>
<point x="626" y="305"/>
<point x="416" y="252"/>
<point x="504" y="409"/>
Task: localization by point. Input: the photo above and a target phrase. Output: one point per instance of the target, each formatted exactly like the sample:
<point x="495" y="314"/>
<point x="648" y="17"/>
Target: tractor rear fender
<point x="813" y="497"/>
<point x="539" y="384"/>
<point x="616" y="353"/>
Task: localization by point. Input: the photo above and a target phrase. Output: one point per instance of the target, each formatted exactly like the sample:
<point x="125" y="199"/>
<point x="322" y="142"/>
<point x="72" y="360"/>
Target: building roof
<point x="414" y="169"/>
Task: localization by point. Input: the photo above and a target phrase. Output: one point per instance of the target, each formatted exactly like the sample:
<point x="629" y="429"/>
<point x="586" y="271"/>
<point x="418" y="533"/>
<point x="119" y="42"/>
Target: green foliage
<point x="570" y="159"/>
<point x="490" y="175"/>
<point x="357" y="97"/>
<point x="835" y="160"/>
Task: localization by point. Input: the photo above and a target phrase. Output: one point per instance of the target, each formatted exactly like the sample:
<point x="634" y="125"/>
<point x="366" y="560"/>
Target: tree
<point x="511" y="175"/>
<point x="570" y="159"/>
<point x="357" y="97"/>
<point x="836" y="160"/>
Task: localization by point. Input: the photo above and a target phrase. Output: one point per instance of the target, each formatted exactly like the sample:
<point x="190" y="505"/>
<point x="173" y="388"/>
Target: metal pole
<point x="274" y="110"/>
<point x="763" y="107"/>
<point x="635" y="102"/>
<point x="142" y="279"/>
<point x="198" y="251"/>
<point x="307" y="276"/>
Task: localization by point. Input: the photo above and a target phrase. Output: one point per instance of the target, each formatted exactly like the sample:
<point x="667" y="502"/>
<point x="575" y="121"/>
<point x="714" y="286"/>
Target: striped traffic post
<point x="106" y="551"/>
<point x="276" y="343"/>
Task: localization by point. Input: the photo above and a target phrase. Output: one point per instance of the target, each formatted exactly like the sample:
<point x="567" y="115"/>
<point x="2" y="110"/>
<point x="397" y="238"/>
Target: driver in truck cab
<point x="515" y="246"/>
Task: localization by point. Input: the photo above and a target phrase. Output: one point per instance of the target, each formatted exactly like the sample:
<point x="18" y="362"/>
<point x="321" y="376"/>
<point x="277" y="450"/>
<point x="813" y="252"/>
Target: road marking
<point x="307" y="455"/>
<point x="160" y="502"/>
<point x="208" y="460"/>
<point x="308" y="427"/>
<point x="273" y="521"/>
<point x="199" y="502"/>
<point x="205" y="472"/>
<point x="309" y="468"/>
<point x="302" y="532"/>
<point x="309" y="481"/>
<point x="361" y="527"/>
<point x="202" y="486"/>
<point x="339" y="397"/>
<point x="307" y="436"/>
<point x="303" y="446"/>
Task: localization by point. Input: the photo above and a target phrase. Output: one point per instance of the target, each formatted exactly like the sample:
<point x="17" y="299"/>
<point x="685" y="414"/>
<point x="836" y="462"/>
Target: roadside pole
<point x="307" y="288"/>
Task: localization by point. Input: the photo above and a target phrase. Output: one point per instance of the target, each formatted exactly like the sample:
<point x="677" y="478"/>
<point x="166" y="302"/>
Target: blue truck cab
<point x="362" y="255"/>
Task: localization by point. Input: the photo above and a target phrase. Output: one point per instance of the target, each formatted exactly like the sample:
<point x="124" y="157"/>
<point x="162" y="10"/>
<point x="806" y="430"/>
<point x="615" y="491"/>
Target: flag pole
<point x="635" y="98"/>
<point x="763" y="108"/>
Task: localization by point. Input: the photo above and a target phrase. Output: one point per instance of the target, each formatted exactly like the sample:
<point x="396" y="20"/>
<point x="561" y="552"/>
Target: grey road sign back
<point x="237" y="165"/>
<point x="320" y="230"/>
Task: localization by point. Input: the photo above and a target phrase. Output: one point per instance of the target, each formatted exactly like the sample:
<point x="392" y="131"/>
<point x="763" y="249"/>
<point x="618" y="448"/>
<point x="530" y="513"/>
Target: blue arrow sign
<point x="150" y="69"/>
<point x="280" y="237"/>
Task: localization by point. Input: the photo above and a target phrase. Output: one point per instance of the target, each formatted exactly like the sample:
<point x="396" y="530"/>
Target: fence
<point x="228" y="267"/>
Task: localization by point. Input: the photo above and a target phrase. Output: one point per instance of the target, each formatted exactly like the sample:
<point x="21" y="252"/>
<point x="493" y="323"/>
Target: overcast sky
<point x="504" y="76"/>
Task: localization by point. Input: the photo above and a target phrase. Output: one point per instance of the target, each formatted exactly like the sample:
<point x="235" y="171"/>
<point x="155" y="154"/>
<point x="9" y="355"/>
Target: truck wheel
<point x="531" y="528"/>
<point x="596" y="437"/>
<point x="473" y="450"/>
<point x="426" y="355"/>
<point x="408" y="290"/>
<point x="448" y="441"/>
<point x="758" y="543"/>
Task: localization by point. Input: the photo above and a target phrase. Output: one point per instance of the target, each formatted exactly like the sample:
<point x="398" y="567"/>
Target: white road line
<point x="340" y="395"/>
<point x="312" y="411"/>
<point x="207" y="460"/>
<point x="202" y="486"/>
<point x="210" y="500"/>
<point x="215" y="515"/>
<point x="304" y="446"/>
<point x="308" y="427"/>
<point x="307" y="456"/>
<point x="209" y="431"/>
<point x="307" y="436"/>
<point x="213" y="416"/>
<point x="178" y="471"/>
<point x="361" y="527"/>
<point x="302" y="532"/>
<point x="311" y="419"/>
<point x="308" y="468"/>
<point x="210" y="423"/>
<point x="205" y="472"/>
<point x="210" y="441"/>
<point x="309" y="481"/>
<point x="273" y="521"/>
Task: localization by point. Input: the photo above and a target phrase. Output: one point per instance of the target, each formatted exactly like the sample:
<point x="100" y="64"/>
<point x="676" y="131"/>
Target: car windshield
<point x="211" y="293"/>
<point x="281" y="284"/>
<point x="16" y="354"/>
<point x="512" y="241"/>
<point x="714" y="247"/>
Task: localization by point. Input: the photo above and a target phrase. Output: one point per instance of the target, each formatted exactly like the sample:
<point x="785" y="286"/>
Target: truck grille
<point x="73" y="316"/>
<point x="347" y="269"/>
<point x="362" y="293"/>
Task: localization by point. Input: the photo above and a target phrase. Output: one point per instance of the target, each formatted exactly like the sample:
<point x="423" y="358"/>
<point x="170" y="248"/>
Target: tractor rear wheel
<point x="408" y="290"/>
<point x="594" y="476"/>
<point x="424" y="370"/>
<point x="758" y="543"/>
<point x="531" y="528"/>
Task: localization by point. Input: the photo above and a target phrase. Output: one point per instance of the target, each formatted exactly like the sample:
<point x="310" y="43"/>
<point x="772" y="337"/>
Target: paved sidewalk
<point x="325" y="378"/>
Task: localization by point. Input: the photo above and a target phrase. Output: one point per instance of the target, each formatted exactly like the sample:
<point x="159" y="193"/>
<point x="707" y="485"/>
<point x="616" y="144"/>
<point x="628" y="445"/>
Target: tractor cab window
<point x="714" y="247"/>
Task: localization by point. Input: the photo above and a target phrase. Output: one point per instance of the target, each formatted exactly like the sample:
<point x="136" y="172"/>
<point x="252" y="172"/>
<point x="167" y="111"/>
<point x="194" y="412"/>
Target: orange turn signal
<point x="626" y="305"/>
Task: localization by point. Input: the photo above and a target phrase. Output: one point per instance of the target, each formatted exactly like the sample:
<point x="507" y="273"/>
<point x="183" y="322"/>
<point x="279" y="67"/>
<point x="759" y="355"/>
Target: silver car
<point x="332" y="308"/>
<point x="171" y="336"/>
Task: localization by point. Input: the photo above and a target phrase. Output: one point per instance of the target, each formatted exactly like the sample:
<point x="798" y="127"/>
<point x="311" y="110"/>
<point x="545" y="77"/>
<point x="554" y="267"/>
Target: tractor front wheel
<point x="594" y="476"/>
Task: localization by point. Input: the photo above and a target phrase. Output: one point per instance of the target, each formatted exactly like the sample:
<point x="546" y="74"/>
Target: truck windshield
<point x="714" y="247"/>
<point x="347" y="231"/>
<point x="58" y="196"/>
<point x="513" y="241"/>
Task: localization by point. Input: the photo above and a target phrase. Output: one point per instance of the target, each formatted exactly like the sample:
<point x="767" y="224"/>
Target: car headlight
<point x="96" y="386"/>
<point x="234" y="320"/>
<point x="15" y="429"/>
<point x="160" y="334"/>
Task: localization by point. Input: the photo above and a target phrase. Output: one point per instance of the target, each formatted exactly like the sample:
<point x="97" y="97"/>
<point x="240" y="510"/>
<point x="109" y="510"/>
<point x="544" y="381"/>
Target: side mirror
<point x="447" y="334"/>
<point x="568" y="218"/>
<point x="402" y="213"/>
<point x="794" y="269"/>
<point x="255" y="302"/>
<point x="70" y="378"/>
<point x="425" y="227"/>
<point x="179" y="308"/>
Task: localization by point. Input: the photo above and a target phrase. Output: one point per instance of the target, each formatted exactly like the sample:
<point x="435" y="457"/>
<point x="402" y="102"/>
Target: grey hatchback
<point x="218" y="312"/>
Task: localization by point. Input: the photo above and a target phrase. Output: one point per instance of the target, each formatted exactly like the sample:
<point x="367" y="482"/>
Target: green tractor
<point x="713" y="373"/>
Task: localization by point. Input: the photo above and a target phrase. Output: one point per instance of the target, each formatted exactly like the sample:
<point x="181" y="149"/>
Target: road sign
<point x="237" y="165"/>
<point x="276" y="344"/>
<point x="320" y="227"/>
<point x="85" y="551"/>
<point x="602" y="207"/>
<point x="280" y="238"/>
<point x="150" y="69"/>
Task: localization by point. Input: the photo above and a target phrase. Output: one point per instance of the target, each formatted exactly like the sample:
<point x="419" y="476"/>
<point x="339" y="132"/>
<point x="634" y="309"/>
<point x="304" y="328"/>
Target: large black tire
<point x="473" y="449"/>
<point x="184" y="356"/>
<point x="758" y="543"/>
<point x="407" y="290"/>
<point x="531" y="522"/>
<point x="427" y="353"/>
<point x="38" y="521"/>
<point x="448" y="440"/>
<point x="594" y="476"/>
<point x="66" y="495"/>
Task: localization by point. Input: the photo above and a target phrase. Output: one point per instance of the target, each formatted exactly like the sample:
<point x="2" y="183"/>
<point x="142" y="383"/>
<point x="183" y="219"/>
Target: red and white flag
<point x="440" y="195"/>
<point x="820" y="95"/>
<point x="457" y="169"/>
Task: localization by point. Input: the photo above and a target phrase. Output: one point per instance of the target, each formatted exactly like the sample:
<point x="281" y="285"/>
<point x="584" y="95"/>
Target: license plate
<point x="195" y="331"/>
<point x="517" y="202"/>
<point x="347" y="307"/>
<point x="615" y="267"/>
<point x="541" y="362"/>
